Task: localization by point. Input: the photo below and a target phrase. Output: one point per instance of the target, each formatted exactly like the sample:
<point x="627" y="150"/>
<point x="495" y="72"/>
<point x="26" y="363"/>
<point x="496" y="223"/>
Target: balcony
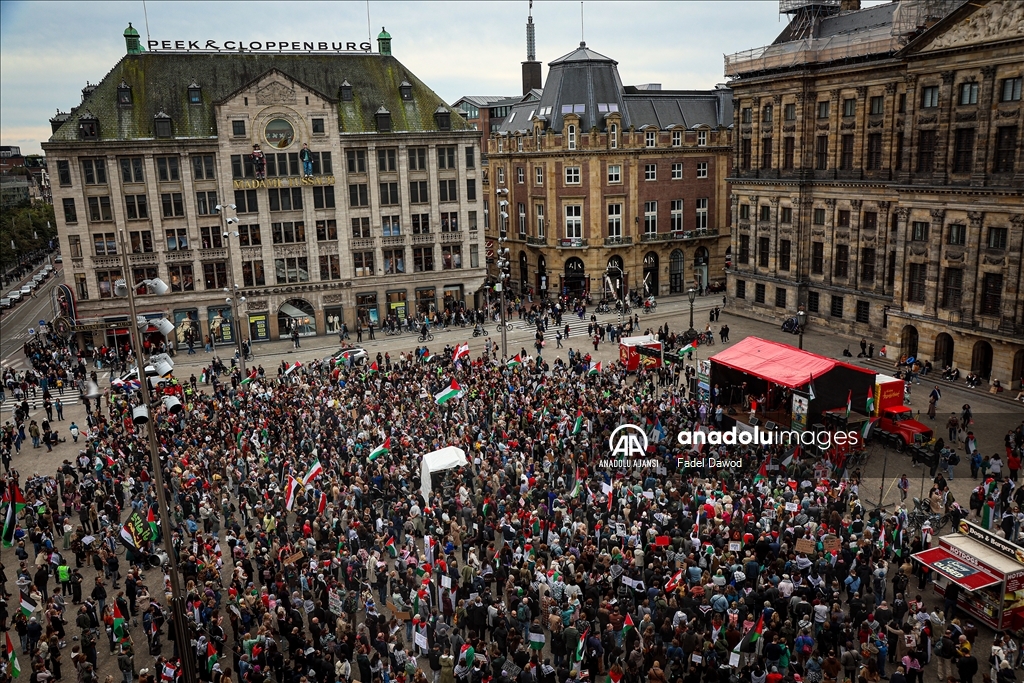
<point x="679" y="235"/>
<point x="572" y="243"/>
<point x="363" y="243"/>
<point x="143" y="259"/>
<point x="212" y="254"/>
<point x="106" y="261"/>
<point x="393" y="240"/>
<point x="449" y="237"/>
<point x="423" y="238"/>
<point x="617" y="241"/>
<point x="179" y="255"/>
<point x="536" y="241"/>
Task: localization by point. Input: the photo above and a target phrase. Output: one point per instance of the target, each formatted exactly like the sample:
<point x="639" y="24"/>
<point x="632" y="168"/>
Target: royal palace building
<point x="361" y="202"/>
<point x="878" y="179"/>
<point x="602" y="188"/>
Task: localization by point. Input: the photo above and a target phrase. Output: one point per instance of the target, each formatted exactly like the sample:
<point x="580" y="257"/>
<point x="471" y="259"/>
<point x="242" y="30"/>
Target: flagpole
<point x="881" y="485"/>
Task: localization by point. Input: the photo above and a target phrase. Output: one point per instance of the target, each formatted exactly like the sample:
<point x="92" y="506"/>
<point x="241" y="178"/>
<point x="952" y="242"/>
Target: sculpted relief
<point x="995" y="21"/>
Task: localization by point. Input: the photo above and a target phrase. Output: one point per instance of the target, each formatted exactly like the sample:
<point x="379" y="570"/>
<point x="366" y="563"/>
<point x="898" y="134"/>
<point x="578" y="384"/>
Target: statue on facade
<point x="259" y="162"/>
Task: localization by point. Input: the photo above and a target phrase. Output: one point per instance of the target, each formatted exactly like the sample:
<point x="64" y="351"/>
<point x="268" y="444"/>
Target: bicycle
<point x="393" y="331"/>
<point x="508" y="326"/>
<point x="425" y="337"/>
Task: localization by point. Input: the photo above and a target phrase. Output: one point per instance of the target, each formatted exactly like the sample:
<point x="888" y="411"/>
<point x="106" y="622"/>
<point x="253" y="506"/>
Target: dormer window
<point x="383" y="117"/>
<point x="161" y="125"/>
<point x="570" y="134"/>
<point x="124" y="94"/>
<point x="195" y="93"/>
<point x="88" y="127"/>
<point x="405" y="89"/>
<point x="613" y="136"/>
<point x="443" y="118"/>
<point x="346" y="91"/>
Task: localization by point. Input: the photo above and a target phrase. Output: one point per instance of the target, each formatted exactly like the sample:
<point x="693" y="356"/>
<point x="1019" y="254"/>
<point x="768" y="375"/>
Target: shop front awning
<point x="956" y="570"/>
<point x="292" y="311"/>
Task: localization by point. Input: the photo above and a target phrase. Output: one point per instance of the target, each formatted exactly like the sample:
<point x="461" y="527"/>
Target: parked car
<point x="6" y="302"/>
<point x="58" y="259"/>
<point x="358" y="356"/>
<point x="14" y="295"/>
<point x="27" y="290"/>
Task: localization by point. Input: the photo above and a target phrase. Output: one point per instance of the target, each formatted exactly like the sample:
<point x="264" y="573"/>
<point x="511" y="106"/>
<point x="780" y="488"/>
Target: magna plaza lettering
<point x="284" y="182"/>
<point x="256" y="46"/>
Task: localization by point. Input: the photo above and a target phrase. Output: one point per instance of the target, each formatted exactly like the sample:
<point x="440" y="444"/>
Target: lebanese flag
<point x="674" y="582"/>
<point x="460" y="351"/>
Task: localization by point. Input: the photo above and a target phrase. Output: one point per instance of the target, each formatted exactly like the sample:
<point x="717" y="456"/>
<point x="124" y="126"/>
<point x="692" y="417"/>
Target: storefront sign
<point x="250" y="184"/>
<point x="997" y="543"/>
<point x="256" y="46"/>
<point x="259" y="330"/>
<point x="800" y="406"/>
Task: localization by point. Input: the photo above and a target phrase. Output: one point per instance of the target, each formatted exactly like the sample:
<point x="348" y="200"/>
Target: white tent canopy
<point x="443" y="459"/>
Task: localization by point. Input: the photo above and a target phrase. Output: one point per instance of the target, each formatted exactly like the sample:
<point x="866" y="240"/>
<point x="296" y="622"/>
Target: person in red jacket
<point x="1012" y="462"/>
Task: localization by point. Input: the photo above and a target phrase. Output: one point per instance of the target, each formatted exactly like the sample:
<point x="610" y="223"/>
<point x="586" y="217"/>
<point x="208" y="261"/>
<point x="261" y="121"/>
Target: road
<point x="16" y="322"/>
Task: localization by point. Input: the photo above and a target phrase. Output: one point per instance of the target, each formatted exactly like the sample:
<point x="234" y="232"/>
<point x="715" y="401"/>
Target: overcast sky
<point x="48" y="50"/>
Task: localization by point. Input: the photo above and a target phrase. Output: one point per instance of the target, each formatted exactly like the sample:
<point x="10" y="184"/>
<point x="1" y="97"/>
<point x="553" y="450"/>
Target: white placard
<point x="446" y="581"/>
<point x="696" y="658"/>
<point x="792" y="507"/>
<point x="421" y="640"/>
<point x="734" y="659"/>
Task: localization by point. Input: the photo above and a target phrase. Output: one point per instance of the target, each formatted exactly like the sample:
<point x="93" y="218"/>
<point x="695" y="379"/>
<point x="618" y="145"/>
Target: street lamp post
<point x="502" y="263"/>
<point x="621" y="295"/>
<point x="691" y="333"/>
<point x="181" y="632"/>
<point x="233" y="290"/>
<point x="801" y="320"/>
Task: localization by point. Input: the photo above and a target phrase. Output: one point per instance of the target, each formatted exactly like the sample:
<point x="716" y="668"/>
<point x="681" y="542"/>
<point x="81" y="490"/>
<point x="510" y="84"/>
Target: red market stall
<point x="989" y="570"/>
<point x="632" y="359"/>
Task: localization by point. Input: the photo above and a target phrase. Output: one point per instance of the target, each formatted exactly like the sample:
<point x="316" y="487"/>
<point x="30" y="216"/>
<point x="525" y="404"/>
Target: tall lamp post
<point x="502" y="263"/>
<point x="801" y="320"/>
<point x="181" y="632"/>
<point x="619" y="293"/>
<point x="233" y="290"/>
<point x="691" y="333"/>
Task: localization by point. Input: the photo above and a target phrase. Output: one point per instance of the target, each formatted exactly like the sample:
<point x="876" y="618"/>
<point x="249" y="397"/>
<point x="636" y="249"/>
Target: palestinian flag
<point x="762" y="472"/>
<point x="10" y="524"/>
<point x="513" y="362"/>
<point x="692" y="346"/>
<point x="576" y="489"/>
<point x="294" y="366"/>
<point x="627" y="625"/>
<point x="866" y="429"/>
<point x="28" y="605"/>
<point x="373" y="368"/>
<point x="153" y="526"/>
<point x="202" y="377"/>
<point x="454" y="391"/>
<point x="672" y="584"/>
<point x="252" y="375"/>
<point x="315" y="470"/>
<point x="460" y="351"/>
<point x="870" y="405"/>
<point x="581" y="648"/>
<point x="390" y="547"/>
<point x="119" y="625"/>
<point x="578" y="425"/>
<point x="469" y="653"/>
<point x="12" y="657"/>
<point x="595" y="369"/>
<point x="381" y="449"/>
<point x="211" y="656"/>
<point x="849" y="402"/>
<point x="749" y="641"/>
<point x="290" y="490"/>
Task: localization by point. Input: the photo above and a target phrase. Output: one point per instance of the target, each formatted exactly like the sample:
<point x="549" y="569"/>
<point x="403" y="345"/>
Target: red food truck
<point x="634" y="359"/>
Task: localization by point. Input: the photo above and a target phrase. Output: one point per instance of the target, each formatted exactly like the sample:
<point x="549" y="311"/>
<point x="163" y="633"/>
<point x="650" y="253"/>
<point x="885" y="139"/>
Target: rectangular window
<point x="572" y="175"/>
<point x="741" y="289"/>
<point x="930" y="97"/>
<point x="141" y="242"/>
<point x="64" y="173"/>
<point x="997" y="238"/>
<point x="780" y="297"/>
<point x="449" y="221"/>
<point x="417" y="158"/>
<point x="418" y="193"/>
<point x="75" y="244"/>
<point x="817" y="258"/>
<point x="765" y="212"/>
<point x="746" y="115"/>
<point x="206" y="203"/>
<point x="285" y="199"/>
<point x="104" y="243"/>
<point x="446" y="157"/>
<point x="812" y="302"/>
<point x="992" y="294"/>
<point x="291" y="270"/>
<point x="891" y="276"/>
<point x="745" y="153"/>
<point x="874" y="160"/>
<point x="323" y="197"/>
<point x="615" y="221"/>
<point x="702" y="214"/>
<point x="253" y="274"/>
<point x="759" y="293"/>
<point x="677" y="171"/>
<point x="250" y="235"/>
<point x="877" y="104"/>
<point x="957" y="234"/>
<point x="215" y="275"/>
<point x="358" y="195"/>
<point x="785" y="253"/>
<point x="106" y="280"/>
<point x="177" y="239"/>
<point x="540" y="220"/>
<point x="501" y="174"/>
<point x="387" y="159"/>
<point x="786" y="215"/>
<point x="846" y="156"/>
<point x="867" y="264"/>
<point x="470" y="158"/>
<point x="421" y="224"/>
<point x="919" y="231"/>
<point x="650" y="138"/>
<point x="318" y="126"/>
<point x="288" y="232"/>
<point x="916" y="282"/>
<point x="1006" y="149"/>
<point x="766" y="153"/>
<point x="821" y="153"/>
<point x="1010" y="91"/>
<point x="963" y="151"/>
<point x="744" y="250"/>
<point x="926" y="151"/>
<point x="702" y="138"/>
<point x="573" y="221"/>
<point x="322" y="163"/>
<point x="850" y="107"/>
<point x="521" y="215"/>
<point x="99" y="209"/>
<point x="968" y="93"/>
<point x="788" y="152"/>
<point x="836" y="309"/>
<point x="676" y="215"/>
<point x="520" y="175"/>
<point x="819" y="216"/>
<point x="202" y="167"/>
<point x="94" y="171"/>
<point x="361" y="227"/>
<point x="823" y="109"/>
<point x="702" y="169"/>
<point x="744" y="211"/>
<point x="238" y="128"/>
<point x="470" y="190"/>
<point x="135" y="207"/>
<point x="82" y="286"/>
<point x="614" y="173"/>
<point x="952" y="287"/>
<point x="245" y="201"/>
<point x="843" y="220"/>
<point x="899" y="151"/>
<point x="326" y="230"/>
<point x="870" y="220"/>
<point x="763" y="251"/>
<point x="423" y="259"/>
<point x="167" y="169"/>
<point x="211" y="238"/>
<point x="451" y="256"/>
<point x="448" y="190"/>
<point x="650" y="171"/>
<point x="172" y="204"/>
<point x="768" y="114"/>
<point x="677" y="138"/>
<point x="789" y="112"/>
<point x="356" y="160"/>
<point x="131" y="170"/>
<point x="650" y="218"/>
<point x="241" y="166"/>
<point x="389" y="194"/>
<point x="863" y="311"/>
<point x="538" y="175"/>
<point x="842" y="264"/>
<point x="394" y="261"/>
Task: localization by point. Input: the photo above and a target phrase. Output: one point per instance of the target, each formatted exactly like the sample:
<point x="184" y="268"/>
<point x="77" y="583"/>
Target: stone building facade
<point x="385" y="222"/>
<point x="879" y="182"/>
<point x="609" y="188"/>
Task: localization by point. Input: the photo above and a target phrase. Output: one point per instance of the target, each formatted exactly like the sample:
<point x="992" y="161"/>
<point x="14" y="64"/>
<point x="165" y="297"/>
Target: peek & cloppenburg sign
<point x="255" y="46"/>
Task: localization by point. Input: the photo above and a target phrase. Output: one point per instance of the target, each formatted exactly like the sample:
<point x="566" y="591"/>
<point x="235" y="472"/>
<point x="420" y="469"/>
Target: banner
<point x="136" y="532"/>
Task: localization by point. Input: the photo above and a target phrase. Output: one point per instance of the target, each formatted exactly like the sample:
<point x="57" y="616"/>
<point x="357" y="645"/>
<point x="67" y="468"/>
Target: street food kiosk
<point x="632" y="358"/>
<point x="989" y="570"/>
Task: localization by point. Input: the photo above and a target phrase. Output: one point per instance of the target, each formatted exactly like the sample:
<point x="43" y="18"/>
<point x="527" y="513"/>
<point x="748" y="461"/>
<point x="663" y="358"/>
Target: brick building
<point x="878" y="180"/>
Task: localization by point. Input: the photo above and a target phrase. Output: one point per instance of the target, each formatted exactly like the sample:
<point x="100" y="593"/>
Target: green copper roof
<point x="383" y="34"/>
<point x="160" y="82"/>
<point x="130" y="31"/>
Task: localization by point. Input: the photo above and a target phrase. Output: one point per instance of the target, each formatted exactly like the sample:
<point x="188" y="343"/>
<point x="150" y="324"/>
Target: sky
<point x="49" y="50"/>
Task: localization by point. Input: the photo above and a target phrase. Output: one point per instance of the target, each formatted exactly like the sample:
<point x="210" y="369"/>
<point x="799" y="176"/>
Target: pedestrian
<point x="59" y="406"/>
<point x="863" y="348"/>
<point x="903" y="485"/>
<point x="558" y="339"/>
<point x="597" y="340"/>
<point x="359" y="331"/>
<point x="931" y="407"/>
<point x="953" y="427"/>
<point x="369" y="328"/>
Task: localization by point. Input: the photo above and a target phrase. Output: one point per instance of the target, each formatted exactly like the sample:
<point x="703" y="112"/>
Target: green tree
<point x="30" y="227"/>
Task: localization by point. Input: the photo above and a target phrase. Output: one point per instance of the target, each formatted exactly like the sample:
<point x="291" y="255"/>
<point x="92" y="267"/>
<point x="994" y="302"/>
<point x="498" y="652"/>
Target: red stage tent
<point x="778" y="363"/>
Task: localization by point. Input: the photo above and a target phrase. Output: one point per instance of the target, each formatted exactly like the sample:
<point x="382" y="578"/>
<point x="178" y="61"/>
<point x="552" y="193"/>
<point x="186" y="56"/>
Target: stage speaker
<point x="140" y="415"/>
<point x="173" y="405"/>
<point x="753" y="422"/>
<point x="771" y="426"/>
<point x="165" y="326"/>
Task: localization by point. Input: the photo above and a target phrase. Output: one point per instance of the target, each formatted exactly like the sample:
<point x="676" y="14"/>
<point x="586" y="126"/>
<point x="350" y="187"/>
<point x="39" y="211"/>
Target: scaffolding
<point x="811" y="51"/>
<point x="912" y="16"/>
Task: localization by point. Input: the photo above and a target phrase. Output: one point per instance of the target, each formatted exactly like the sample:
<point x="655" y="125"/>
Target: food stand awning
<point x="956" y="570"/>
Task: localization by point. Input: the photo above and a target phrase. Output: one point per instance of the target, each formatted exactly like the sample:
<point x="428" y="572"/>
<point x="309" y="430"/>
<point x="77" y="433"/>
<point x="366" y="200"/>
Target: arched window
<point x="570" y="132"/>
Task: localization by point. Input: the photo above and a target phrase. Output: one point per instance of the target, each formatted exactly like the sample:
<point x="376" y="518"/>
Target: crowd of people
<point x="308" y="550"/>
